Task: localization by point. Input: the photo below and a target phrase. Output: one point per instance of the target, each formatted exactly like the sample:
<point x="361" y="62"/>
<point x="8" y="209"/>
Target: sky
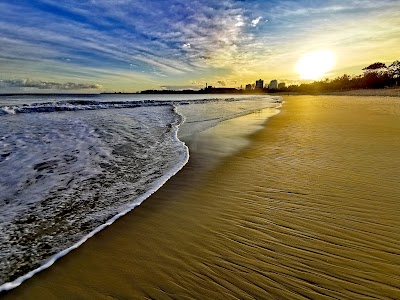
<point x="133" y="45"/>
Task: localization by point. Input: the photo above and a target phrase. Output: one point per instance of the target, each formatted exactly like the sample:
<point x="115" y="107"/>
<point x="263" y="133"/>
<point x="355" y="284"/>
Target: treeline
<point x="169" y="92"/>
<point x="375" y="76"/>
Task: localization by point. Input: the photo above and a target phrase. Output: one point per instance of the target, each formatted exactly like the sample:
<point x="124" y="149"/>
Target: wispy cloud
<point x="43" y="85"/>
<point x="138" y="43"/>
<point x="254" y="22"/>
<point x="117" y="34"/>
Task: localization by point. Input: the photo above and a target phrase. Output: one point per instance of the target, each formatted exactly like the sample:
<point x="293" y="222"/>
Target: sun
<point x="314" y="65"/>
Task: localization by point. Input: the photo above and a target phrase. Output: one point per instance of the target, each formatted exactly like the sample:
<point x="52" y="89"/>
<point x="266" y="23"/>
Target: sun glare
<point x="315" y="64"/>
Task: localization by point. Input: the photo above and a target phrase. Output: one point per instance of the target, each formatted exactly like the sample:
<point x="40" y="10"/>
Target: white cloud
<point x="239" y="21"/>
<point x="255" y="22"/>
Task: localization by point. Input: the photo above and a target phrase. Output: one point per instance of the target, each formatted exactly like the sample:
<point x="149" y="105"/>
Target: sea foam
<point x="66" y="176"/>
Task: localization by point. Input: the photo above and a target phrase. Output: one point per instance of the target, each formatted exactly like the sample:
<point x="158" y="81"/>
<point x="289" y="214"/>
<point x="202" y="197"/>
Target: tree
<point x="376" y="75"/>
<point x="375" y="67"/>
<point x="394" y="69"/>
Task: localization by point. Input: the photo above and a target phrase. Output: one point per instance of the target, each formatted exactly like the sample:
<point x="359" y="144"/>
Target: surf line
<point x="155" y="186"/>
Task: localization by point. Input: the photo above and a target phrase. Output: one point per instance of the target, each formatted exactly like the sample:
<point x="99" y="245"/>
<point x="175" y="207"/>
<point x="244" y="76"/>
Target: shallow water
<point x="65" y="175"/>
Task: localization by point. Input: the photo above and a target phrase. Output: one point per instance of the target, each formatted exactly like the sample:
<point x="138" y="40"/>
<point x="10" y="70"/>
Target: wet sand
<point x="309" y="208"/>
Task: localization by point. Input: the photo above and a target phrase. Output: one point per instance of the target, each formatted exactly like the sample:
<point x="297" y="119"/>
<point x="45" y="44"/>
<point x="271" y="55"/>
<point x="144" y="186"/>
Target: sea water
<point x="71" y="165"/>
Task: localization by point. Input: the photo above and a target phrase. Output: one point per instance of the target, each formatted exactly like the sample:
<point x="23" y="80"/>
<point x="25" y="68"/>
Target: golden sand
<point x="309" y="208"/>
<point x="388" y="92"/>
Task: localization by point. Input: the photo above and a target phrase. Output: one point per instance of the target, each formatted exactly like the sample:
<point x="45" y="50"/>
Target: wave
<point x="157" y="184"/>
<point x="73" y="105"/>
<point x="77" y="105"/>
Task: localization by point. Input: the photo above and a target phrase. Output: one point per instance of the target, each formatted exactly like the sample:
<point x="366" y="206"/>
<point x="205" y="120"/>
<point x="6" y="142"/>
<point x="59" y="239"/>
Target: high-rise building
<point x="260" y="84"/>
<point x="281" y="85"/>
<point x="248" y="87"/>
<point x="273" y="84"/>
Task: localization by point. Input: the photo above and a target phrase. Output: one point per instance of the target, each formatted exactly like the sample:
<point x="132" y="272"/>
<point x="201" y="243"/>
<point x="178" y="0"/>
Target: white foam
<point x="85" y="104"/>
<point x="8" y="110"/>
<point x="158" y="183"/>
<point x="155" y="186"/>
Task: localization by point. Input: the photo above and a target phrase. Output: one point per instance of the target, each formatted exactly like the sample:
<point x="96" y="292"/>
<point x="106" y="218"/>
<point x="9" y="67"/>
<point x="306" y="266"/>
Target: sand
<point x="388" y="92"/>
<point x="307" y="208"/>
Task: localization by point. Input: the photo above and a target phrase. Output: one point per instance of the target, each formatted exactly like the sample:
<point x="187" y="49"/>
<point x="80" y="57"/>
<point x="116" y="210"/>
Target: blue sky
<point x="130" y="45"/>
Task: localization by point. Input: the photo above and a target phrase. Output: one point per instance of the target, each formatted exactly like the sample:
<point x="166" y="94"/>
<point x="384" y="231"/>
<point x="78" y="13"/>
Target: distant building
<point x="273" y="84"/>
<point x="281" y="85"/>
<point x="260" y="84"/>
<point x="248" y="87"/>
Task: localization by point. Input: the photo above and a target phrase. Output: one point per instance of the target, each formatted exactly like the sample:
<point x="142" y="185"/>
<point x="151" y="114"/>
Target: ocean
<point x="71" y="165"/>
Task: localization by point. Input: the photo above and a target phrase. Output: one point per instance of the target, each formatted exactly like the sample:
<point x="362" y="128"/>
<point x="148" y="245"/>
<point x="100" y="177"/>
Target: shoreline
<point x="157" y="184"/>
<point x="9" y="286"/>
<point x="293" y="214"/>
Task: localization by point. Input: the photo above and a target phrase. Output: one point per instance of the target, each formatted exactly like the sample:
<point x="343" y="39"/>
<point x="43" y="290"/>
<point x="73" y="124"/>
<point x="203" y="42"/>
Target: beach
<point x="387" y="92"/>
<point x="306" y="205"/>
